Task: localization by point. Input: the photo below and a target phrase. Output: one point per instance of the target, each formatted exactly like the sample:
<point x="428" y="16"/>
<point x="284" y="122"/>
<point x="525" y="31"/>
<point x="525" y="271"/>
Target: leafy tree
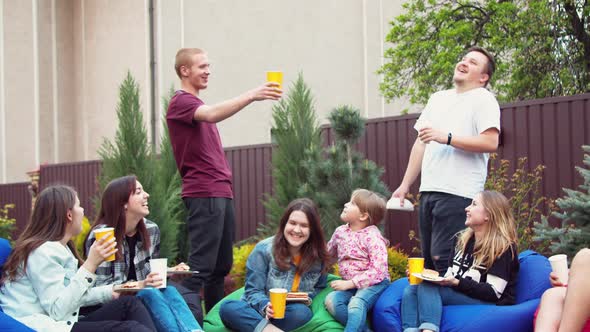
<point x="334" y="172"/>
<point x="295" y="130"/>
<point x="542" y="47"/>
<point x="574" y="233"/>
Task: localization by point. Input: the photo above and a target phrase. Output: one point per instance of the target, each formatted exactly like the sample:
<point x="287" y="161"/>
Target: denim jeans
<point x="422" y="305"/>
<point x="350" y="307"/>
<point x="169" y="311"/>
<point x="238" y="315"/>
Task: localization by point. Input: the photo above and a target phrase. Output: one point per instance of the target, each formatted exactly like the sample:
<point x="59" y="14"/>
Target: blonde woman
<point x="482" y="270"/>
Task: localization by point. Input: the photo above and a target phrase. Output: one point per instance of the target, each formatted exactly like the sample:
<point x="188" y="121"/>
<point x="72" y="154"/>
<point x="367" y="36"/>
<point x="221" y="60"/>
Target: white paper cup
<point x="160" y="265"/>
<point x="559" y="266"/>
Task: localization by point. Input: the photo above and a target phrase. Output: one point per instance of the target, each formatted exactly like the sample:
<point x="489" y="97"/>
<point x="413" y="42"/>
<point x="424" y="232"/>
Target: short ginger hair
<point x="184" y="57"/>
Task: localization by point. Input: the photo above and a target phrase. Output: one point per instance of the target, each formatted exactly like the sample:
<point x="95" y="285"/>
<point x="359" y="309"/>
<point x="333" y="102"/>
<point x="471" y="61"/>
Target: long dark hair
<point x="48" y="223"/>
<point x="112" y="211"/>
<point x="313" y="250"/>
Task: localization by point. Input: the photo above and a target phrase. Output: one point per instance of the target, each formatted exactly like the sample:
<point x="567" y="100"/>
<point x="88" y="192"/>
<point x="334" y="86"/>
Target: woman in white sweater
<point x="44" y="281"/>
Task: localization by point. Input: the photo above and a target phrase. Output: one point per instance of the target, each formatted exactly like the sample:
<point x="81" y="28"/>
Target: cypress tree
<point x="295" y="130"/>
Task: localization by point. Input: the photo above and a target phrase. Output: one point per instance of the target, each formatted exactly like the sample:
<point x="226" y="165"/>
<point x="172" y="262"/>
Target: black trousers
<point x="124" y="314"/>
<point x="441" y="216"/>
<point x="192" y="299"/>
<point x="211" y="231"/>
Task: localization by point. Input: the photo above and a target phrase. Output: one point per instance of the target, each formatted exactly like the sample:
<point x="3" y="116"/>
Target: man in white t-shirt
<point x="456" y="131"/>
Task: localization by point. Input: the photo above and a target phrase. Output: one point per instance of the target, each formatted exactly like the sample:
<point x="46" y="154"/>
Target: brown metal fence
<point x="251" y="180"/>
<point x="547" y="131"/>
<point x="17" y="194"/>
<point x="80" y="175"/>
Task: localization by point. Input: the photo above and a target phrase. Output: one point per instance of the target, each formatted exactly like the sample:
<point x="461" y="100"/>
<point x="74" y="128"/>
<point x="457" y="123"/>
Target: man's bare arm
<point x="412" y="171"/>
<point x="225" y="109"/>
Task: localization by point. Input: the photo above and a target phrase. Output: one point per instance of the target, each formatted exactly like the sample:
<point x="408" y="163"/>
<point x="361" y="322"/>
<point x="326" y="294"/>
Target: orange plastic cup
<point x="415" y="265"/>
<point x="109" y="233"/>
<point x="275" y="76"/>
<point x="278" y="299"/>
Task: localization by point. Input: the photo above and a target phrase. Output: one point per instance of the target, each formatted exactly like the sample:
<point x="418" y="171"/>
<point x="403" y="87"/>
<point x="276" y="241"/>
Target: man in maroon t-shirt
<point x="206" y="176"/>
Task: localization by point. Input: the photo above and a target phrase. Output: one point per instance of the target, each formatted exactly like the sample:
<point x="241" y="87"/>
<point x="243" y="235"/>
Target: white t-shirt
<point x="445" y="168"/>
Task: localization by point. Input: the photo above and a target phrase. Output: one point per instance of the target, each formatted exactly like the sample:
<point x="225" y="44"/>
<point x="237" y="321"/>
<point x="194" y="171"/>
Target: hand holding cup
<point x="278" y="302"/>
<point x="559" y="267"/>
<point x="100" y="251"/>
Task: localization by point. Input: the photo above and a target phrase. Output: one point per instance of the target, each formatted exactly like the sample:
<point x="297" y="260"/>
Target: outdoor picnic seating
<point x="7" y="323"/>
<point x="533" y="280"/>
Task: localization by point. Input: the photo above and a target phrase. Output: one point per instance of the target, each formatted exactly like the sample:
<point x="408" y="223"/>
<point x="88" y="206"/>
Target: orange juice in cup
<point x="108" y="233"/>
<point x="275" y="76"/>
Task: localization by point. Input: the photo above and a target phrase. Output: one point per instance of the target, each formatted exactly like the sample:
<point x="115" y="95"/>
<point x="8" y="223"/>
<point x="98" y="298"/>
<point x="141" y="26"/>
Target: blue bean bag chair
<point x="533" y="280"/>
<point x="7" y="323"/>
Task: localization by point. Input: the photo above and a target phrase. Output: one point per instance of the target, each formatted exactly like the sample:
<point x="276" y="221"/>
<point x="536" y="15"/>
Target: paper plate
<point x="171" y="271"/>
<point x="121" y="289"/>
<point x="427" y="278"/>
<point x="394" y="204"/>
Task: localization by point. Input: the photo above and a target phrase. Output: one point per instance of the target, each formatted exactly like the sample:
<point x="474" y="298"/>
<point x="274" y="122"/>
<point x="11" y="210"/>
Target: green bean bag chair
<point x="321" y="320"/>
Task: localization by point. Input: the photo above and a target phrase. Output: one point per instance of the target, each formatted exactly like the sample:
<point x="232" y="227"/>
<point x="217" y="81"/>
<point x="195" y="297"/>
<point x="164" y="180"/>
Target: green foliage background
<point x="7" y="224"/>
<point x="542" y="47"/>
<point x="574" y="213"/>
<point x="130" y="153"/>
<point x="295" y="130"/>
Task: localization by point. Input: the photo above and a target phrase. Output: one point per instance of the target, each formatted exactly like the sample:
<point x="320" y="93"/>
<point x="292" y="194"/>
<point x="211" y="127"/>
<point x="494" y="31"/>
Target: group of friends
<point x="467" y="234"/>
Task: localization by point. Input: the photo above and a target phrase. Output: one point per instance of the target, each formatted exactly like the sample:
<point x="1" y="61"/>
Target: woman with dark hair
<point x="45" y="282"/>
<point x="295" y="259"/>
<point x="124" y="206"/>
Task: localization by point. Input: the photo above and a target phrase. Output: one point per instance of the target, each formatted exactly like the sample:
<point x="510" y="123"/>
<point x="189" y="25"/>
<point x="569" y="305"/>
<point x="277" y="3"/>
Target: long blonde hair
<point x="500" y="235"/>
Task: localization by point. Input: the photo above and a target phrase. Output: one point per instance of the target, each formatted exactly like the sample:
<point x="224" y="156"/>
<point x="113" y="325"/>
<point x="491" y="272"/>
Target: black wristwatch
<point x="449" y="139"/>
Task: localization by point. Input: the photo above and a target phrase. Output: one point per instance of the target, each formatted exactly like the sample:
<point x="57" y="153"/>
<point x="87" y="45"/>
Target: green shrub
<point x="79" y="239"/>
<point x="7" y="224"/>
<point x="522" y="188"/>
<point x="573" y="233"/>
<point x="336" y="171"/>
<point x="397" y="262"/>
<point x="238" y="270"/>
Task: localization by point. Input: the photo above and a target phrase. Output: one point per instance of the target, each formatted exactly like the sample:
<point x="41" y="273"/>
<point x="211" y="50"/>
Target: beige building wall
<point x="61" y="63"/>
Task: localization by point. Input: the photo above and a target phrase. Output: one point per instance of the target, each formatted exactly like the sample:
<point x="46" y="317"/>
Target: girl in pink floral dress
<point x="362" y="260"/>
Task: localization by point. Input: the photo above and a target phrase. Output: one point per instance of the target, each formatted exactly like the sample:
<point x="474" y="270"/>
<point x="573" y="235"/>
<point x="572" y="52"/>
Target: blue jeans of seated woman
<point x="238" y="315"/>
<point x="350" y="307"/>
<point x="168" y="310"/>
<point x="422" y="305"/>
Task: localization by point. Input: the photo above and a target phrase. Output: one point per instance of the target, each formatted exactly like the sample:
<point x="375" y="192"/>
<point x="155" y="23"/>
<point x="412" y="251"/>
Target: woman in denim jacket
<point x="295" y="259"/>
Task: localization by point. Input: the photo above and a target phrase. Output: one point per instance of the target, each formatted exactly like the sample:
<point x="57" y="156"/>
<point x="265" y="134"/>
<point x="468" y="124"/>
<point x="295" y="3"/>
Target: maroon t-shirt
<point x="197" y="149"/>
